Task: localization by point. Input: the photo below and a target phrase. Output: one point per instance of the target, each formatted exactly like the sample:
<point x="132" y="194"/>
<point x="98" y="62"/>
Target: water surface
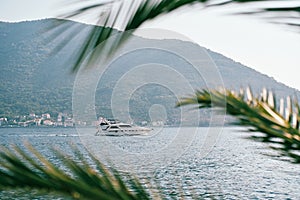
<point x="233" y="168"/>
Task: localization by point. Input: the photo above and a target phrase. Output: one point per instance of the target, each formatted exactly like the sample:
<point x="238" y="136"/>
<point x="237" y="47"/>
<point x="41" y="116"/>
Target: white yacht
<point x="114" y="127"/>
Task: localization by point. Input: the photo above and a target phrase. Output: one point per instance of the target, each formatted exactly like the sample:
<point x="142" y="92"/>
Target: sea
<point x="184" y="162"/>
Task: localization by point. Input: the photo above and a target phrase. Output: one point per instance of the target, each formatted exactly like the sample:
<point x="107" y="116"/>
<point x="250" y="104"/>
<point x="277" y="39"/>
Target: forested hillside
<point x="34" y="79"/>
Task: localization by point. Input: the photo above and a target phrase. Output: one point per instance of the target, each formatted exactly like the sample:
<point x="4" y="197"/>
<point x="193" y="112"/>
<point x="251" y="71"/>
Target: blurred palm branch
<point x="78" y="179"/>
<point x="278" y="122"/>
<point x="120" y="18"/>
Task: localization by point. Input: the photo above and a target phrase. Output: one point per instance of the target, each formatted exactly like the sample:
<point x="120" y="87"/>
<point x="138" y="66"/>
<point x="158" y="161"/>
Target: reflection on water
<point x="235" y="168"/>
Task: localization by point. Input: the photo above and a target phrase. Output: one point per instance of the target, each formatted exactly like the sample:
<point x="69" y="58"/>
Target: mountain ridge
<point x="34" y="80"/>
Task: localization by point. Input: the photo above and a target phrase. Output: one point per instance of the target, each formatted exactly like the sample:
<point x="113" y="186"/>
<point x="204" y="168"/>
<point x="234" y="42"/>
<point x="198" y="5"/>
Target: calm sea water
<point x="202" y="162"/>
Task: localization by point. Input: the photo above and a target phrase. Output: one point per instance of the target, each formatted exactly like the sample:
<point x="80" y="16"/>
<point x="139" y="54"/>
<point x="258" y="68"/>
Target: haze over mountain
<point x="34" y="80"/>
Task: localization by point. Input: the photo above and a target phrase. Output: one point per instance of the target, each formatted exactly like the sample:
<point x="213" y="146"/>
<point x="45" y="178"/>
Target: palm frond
<point x="120" y="18"/>
<point x="78" y="180"/>
<point x="280" y="124"/>
<point x="278" y="12"/>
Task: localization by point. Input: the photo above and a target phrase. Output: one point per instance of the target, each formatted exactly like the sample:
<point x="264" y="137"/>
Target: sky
<point x="269" y="48"/>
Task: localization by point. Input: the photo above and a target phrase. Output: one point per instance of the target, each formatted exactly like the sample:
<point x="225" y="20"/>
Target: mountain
<point x="34" y="79"/>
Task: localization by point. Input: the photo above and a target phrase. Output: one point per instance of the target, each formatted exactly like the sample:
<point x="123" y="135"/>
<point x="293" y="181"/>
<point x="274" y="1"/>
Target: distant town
<point x="43" y="120"/>
<point x="67" y="120"/>
<point x="61" y="120"/>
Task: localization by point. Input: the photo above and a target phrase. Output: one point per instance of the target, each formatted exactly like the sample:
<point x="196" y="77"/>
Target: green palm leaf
<point x="120" y="18"/>
<point x="79" y="180"/>
<point x="280" y="124"/>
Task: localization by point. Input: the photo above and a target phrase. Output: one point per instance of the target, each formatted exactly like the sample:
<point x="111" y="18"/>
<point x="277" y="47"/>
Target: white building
<point x="46" y="116"/>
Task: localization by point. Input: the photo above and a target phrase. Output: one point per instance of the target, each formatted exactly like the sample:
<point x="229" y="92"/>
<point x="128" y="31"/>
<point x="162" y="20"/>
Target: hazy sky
<point x="271" y="49"/>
